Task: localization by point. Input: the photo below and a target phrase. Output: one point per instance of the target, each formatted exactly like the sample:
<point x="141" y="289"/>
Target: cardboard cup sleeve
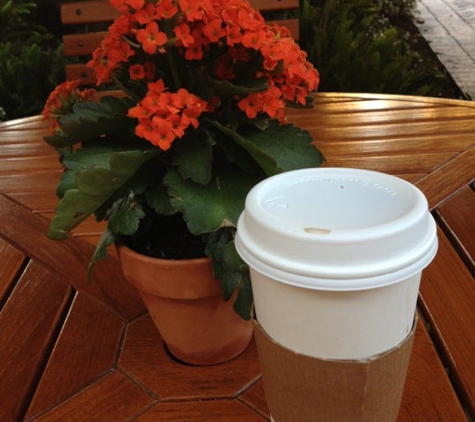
<point x="301" y="388"/>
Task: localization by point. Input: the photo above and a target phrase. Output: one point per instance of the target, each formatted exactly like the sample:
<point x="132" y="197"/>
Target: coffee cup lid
<point x="336" y="229"/>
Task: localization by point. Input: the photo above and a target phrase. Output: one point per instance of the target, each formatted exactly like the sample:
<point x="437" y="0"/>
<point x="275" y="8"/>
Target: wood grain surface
<point x="74" y="351"/>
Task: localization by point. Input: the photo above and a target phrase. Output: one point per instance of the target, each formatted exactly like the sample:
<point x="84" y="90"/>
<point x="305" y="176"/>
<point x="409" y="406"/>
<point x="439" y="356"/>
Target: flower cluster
<point x="155" y="42"/>
<point x="164" y="116"/>
<point x="61" y="101"/>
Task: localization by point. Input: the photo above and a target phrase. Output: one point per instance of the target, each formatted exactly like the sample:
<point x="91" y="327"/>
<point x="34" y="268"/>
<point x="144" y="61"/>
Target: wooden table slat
<point x="448" y="178"/>
<point x="25" y="164"/>
<point x="45" y="181"/>
<point x="70" y="259"/>
<point x="446" y="296"/>
<point x="255" y="398"/>
<point x="204" y="411"/>
<point x="29" y="322"/>
<point x="37" y="201"/>
<point x="23" y="149"/>
<point x="22" y="124"/>
<point x="394" y="164"/>
<point x="437" y="400"/>
<point x="86" y="349"/>
<point x="377" y="130"/>
<point x="458" y="216"/>
<point x="112" y="398"/>
<point x="370" y="113"/>
<point x="172" y="381"/>
<point x="416" y="144"/>
<point x="410" y="100"/>
<point x="11" y="260"/>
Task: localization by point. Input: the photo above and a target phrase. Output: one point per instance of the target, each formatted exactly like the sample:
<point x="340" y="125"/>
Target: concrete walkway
<point x="449" y="27"/>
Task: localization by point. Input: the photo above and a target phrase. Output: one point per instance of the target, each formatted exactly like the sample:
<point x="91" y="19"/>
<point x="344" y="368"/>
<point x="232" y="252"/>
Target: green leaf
<point x="243" y="304"/>
<point x="224" y="88"/>
<point x="237" y="155"/>
<point x="91" y="119"/>
<point x="278" y="148"/>
<point x="193" y="156"/>
<point x="107" y="239"/>
<point x="229" y="267"/>
<point x="132" y="189"/>
<point x="229" y="283"/>
<point x="233" y="267"/>
<point x="244" y="87"/>
<point x="158" y="199"/>
<point x="126" y="219"/>
<point x="96" y="174"/>
<point x="207" y="208"/>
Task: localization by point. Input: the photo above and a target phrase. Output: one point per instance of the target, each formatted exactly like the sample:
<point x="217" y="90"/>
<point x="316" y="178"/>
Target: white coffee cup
<point x="336" y="257"/>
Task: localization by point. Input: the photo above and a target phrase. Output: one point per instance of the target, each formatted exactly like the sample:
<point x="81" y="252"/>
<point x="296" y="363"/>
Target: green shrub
<point x="31" y="59"/>
<point x="357" y="48"/>
<point x="397" y="10"/>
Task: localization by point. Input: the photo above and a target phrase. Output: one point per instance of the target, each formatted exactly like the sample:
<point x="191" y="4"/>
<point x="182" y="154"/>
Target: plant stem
<point x="173" y="68"/>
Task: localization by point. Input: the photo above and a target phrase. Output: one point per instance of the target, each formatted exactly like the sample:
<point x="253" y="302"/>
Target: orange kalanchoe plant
<point x="202" y="120"/>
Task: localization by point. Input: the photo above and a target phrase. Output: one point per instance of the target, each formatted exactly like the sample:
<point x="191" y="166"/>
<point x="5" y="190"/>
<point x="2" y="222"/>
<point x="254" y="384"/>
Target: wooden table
<point x="73" y="351"/>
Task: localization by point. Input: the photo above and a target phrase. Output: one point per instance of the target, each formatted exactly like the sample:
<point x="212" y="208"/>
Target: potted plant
<point x="168" y="163"/>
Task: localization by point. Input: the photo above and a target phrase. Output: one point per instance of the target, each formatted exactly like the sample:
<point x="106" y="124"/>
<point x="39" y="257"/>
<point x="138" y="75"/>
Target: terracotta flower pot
<point x="186" y="304"/>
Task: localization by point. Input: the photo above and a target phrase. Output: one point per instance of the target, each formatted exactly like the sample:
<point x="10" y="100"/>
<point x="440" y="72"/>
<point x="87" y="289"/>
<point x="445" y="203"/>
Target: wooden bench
<point x="85" y="25"/>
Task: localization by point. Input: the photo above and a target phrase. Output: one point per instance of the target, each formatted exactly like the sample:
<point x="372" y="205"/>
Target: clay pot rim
<point x="164" y="261"/>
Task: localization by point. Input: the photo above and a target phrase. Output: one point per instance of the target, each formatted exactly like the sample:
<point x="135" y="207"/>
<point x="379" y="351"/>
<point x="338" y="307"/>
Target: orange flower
<point x="195" y="50"/>
<point x="121" y="26"/>
<point x="178" y="125"/>
<point x="136" y="4"/>
<point x="275" y="51"/>
<point x="183" y="34"/>
<point x="158" y="86"/>
<point x="118" y="50"/>
<point x="151" y="37"/>
<point x="234" y="35"/>
<point x="136" y="72"/>
<point x="271" y="102"/>
<point x="166" y="9"/>
<point x="146" y="14"/>
<point x="120" y="5"/>
<point x="254" y="39"/>
<point x="149" y="70"/>
<point x="162" y="134"/>
<point x="139" y="112"/>
<point x="193" y="9"/>
<point x="251" y="105"/>
<point x="214" y="31"/>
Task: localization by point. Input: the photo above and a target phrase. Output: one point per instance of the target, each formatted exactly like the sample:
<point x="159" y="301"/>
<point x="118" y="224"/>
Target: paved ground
<point x="449" y="27"/>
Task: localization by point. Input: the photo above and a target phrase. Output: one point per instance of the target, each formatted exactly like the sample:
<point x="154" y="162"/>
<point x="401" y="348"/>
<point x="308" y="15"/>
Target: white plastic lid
<point x="336" y="229"/>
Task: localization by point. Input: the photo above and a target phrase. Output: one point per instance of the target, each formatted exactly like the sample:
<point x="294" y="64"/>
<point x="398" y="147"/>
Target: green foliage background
<point x="362" y="46"/>
<point x="31" y="59"/>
